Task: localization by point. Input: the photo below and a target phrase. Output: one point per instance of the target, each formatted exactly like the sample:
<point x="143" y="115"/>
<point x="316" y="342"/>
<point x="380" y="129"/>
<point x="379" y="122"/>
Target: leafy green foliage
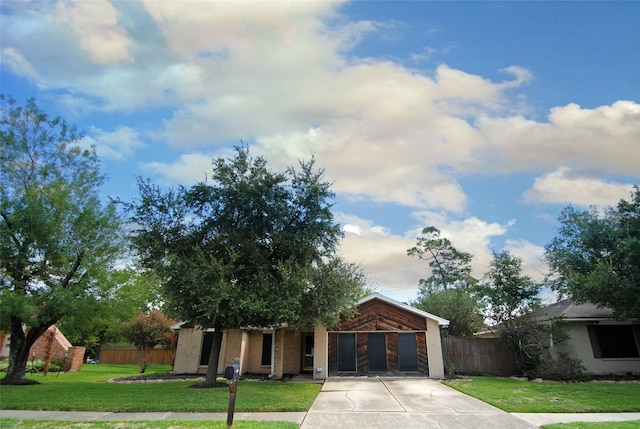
<point x="125" y="293"/>
<point x="250" y="247"/>
<point x="512" y="305"/>
<point x="461" y="307"/>
<point x="594" y="257"/>
<point x="57" y="240"/>
<point x="147" y="331"/>
<point x="450" y="268"/>
<point x="509" y="294"/>
<point x="449" y="291"/>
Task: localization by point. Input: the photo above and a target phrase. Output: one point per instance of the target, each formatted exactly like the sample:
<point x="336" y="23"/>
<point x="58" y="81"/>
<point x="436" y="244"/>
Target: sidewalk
<point x="536" y="420"/>
<point x="540" y="419"/>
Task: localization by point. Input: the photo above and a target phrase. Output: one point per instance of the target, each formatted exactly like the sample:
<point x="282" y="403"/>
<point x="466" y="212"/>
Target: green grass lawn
<point x="163" y="424"/>
<point x="87" y="390"/>
<point x="551" y="397"/>
<point x="608" y="425"/>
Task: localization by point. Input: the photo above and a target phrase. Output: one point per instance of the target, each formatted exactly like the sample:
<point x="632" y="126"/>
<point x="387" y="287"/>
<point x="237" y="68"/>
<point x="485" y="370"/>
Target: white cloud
<point x="383" y="256"/>
<point x="563" y="186"/>
<point x="20" y="66"/>
<point x="603" y="139"/>
<point x="281" y="75"/>
<point x="470" y="235"/>
<point x="119" y="144"/>
<point x="95" y="24"/>
<point x="186" y="170"/>
<point x="532" y="257"/>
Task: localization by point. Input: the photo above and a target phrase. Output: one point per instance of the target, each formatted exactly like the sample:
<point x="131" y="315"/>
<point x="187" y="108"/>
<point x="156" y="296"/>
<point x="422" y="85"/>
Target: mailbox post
<point x="231" y="373"/>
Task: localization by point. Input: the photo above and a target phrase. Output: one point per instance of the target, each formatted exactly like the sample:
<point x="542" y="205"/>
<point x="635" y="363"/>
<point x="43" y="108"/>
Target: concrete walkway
<point x="350" y="403"/>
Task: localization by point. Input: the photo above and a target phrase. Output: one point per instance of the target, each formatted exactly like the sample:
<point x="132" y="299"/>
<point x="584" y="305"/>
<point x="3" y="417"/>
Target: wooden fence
<point x="478" y="356"/>
<point x="130" y="356"/>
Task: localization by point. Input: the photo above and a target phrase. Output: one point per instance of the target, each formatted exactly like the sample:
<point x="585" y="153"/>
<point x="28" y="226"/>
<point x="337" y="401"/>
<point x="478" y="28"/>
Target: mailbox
<point x="232" y="372"/>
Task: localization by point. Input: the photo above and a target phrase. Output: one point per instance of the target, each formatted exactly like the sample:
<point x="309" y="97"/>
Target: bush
<point x="562" y="368"/>
<point x="37" y="365"/>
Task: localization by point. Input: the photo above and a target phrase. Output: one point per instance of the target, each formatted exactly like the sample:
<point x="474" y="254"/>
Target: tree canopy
<point x="125" y="292"/>
<point x="595" y="256"/>
<point x="147" y="331"/>
<point x="450" y="268"/>
<point x="512" y="305"/>
<point x="248" y="247"/>
<point x="57" y="239"/>
<point x="449" y="290"/>
<point x="508" y="293"/>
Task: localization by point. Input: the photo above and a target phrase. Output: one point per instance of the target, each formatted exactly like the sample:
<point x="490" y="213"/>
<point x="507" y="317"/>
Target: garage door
<point x="347" y="352"/>
<point x="407" y="351"/>
<point x="377" y="351"/>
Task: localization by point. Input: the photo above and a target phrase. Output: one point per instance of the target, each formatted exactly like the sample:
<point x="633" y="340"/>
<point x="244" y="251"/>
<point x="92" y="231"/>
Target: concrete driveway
<point x="404" y="403"/>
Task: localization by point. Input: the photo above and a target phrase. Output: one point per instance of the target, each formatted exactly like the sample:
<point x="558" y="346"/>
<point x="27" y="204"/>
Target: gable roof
<point x="578" y="312"/>
<point x="440" y="320"/>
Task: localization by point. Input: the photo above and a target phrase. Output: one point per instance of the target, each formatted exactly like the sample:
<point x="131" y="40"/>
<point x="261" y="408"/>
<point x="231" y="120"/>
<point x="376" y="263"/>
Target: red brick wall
<point x="75" y="358"/>
<point x="54" y="341"/>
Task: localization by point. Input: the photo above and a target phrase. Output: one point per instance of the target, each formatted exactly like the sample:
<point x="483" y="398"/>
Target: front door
<point x="307" y="351"/>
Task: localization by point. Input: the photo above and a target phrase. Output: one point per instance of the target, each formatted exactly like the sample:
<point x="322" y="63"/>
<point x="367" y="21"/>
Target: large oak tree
<point x="595" y="256"/>
<point x="247" y="247"/>
<point x="57" y="239"/>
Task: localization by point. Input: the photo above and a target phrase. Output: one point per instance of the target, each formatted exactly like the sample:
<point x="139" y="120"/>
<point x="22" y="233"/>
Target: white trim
<point x="273" y="352"/>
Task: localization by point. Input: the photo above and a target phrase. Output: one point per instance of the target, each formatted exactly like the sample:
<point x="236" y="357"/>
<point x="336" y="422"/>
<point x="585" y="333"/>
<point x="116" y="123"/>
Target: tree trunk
<point x="19" y="350"/>
<point x="212" y="366"/>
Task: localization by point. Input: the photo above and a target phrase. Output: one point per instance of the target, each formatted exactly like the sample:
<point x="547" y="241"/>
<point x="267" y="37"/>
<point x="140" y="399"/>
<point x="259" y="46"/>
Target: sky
<point x="483" y="119"/>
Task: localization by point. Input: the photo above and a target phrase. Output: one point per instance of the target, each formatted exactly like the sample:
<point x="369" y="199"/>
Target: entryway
<point x="307" y="351"/>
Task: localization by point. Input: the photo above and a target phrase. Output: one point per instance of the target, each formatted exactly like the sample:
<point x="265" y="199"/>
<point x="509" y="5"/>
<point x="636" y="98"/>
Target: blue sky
<point x="483" y="119"/>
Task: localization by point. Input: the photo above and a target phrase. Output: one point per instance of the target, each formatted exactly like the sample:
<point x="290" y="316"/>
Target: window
<point x="267" y="340"/>
<point x="614" y="341"/>
<point x="207" y="342"/>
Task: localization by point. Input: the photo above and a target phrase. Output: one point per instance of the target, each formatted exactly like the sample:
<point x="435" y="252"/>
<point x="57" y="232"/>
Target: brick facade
<point x="55" y="346"/>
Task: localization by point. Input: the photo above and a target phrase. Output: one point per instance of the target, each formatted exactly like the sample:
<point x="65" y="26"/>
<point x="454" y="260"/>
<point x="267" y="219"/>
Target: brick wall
<point x="52" y="342"/>
<point x="54" y="345"/>
<point x="75" y="359"/>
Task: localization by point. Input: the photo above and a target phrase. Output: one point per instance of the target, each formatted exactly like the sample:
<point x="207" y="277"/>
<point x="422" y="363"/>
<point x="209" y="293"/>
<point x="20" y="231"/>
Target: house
<point x="386" y="337"/>
<point x="52" y="344"/>
<point x="605" y="345"/>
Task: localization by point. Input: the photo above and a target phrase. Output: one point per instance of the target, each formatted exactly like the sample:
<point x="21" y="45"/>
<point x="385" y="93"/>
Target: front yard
<point x="88" y="390"/>
<point x="516" y="396"/>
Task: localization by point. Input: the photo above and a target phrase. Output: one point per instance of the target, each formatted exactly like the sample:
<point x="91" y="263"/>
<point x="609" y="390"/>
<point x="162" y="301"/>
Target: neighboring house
<point x="52" y="344"/>
<point x="604" y="344"/>
<point x="386" y="337"/>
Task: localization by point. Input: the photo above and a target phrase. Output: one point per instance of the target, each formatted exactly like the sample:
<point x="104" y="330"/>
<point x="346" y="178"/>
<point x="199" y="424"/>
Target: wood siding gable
<point x="377" y="315"/>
